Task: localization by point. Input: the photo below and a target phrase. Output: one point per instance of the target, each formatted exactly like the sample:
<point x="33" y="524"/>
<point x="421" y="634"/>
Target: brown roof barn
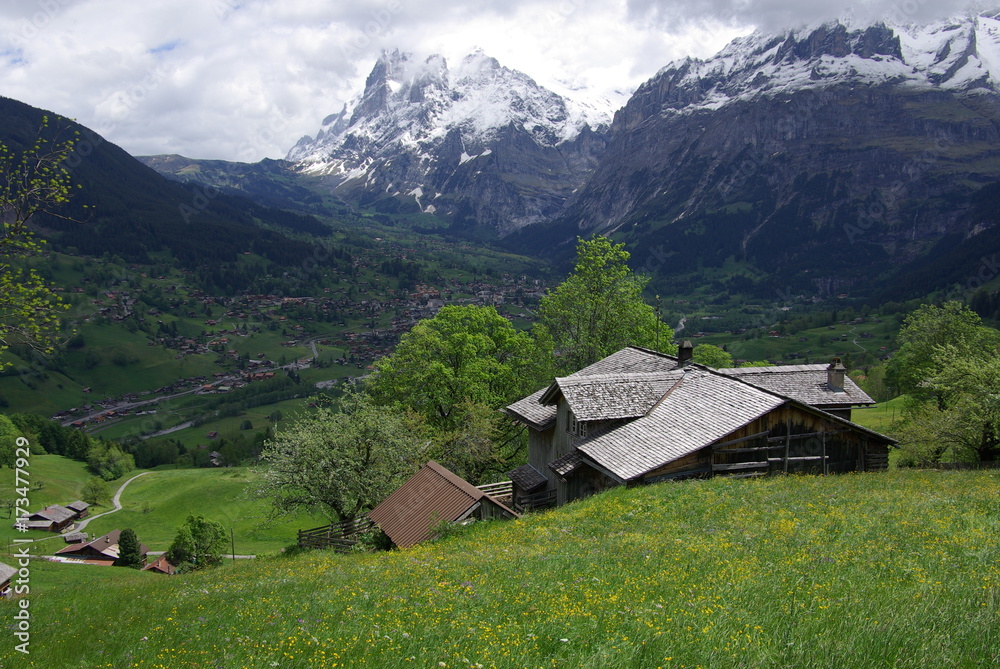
<point x="430" y="496"/>
<point x="161" y="566"/>
<point x="639" y="416"/>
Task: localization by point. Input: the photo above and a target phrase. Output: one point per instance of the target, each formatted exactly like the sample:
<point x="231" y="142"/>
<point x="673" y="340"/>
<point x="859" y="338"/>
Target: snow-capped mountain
<point x="480" y="141"/>
<point x="826" y="151"/>
<point x="959" y="55"/>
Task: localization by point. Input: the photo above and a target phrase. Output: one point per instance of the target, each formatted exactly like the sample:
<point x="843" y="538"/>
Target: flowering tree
<point x="35" y="181"/>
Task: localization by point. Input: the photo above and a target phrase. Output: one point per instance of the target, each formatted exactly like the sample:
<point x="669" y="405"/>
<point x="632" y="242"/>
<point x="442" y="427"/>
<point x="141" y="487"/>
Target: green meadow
<point x="896" y="569"/>
<point x="156" y="504"/>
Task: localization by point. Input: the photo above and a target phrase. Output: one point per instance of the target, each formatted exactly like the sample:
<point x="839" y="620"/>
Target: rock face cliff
<point x="482" y="144"/>
<point x="826" y="155"/>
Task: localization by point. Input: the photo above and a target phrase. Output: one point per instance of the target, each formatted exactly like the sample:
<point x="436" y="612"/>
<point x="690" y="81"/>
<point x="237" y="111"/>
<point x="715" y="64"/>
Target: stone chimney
<point x="835" y="375"/>
<point x="685" y="352"/>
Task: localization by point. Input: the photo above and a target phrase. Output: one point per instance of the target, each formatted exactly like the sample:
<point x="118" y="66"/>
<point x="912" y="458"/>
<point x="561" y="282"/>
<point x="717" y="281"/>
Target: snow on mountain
<point x="414" y="104"/>
<point x="481" y="143"/>
<point x="961" y="54"/>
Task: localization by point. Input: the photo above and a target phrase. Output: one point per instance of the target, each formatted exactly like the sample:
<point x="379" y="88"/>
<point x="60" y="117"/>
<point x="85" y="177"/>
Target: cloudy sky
<point x="245" y="79"/>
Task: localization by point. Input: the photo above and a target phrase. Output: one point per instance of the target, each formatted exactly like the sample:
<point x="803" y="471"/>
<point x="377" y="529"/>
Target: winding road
<point x="116" y="501"/>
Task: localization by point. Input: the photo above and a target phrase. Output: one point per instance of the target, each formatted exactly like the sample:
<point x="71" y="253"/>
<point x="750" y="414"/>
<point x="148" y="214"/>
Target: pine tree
<point x="129" y="550"/>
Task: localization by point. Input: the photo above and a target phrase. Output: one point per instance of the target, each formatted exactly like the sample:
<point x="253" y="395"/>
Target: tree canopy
<point x="200" y="542"/>
<point x="712" y="356"/>
<point x="950" y="325"/>
<point x="339" y="461"/>
<point x="962" y="414"/>
<point x="464" y="354"/>
<point x="948" y="365"/>
<point x="599" y="308"/>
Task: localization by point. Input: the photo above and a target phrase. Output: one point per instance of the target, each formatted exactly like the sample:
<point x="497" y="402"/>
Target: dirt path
<point x="116" y="501"/>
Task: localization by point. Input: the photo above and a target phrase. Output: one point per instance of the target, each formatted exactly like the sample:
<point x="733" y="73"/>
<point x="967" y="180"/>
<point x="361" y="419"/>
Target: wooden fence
<point x="541" y="500"/>
<point x="499" y="490"/>
<point x="338" y="536"/>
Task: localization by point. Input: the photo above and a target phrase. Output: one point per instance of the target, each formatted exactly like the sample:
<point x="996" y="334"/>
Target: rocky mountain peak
<point x="422" y="130"/>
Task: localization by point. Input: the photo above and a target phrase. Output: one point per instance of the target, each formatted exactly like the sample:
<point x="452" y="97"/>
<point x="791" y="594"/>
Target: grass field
<point x="881" y="416"/>
<point x="218" y="494"/>
<point x="867" y="570"/>
<point x="157" y="504"/>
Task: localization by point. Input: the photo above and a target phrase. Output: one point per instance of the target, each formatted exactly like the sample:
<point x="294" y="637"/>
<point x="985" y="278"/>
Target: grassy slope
<point x="881" y="416"/>
<point x="218" y="494"/>
<point x="171" y="495"/>
<point x="869" y="570"/>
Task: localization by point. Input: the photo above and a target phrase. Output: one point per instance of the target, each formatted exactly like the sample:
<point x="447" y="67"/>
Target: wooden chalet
<point x="432" y="495"/>
<point x="7" y="574"/>
<point x="639" y="416"/>
<point x="80" y="508"/>
<point x="101" y="551"/>
<point x="53" y="518"/>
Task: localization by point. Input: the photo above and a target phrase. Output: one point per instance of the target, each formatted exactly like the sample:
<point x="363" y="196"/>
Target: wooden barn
<point x="53" y="518"/>
<point x="101" y="551"/>
<point x="432" y="495"/>
<point x="640" y="417"/>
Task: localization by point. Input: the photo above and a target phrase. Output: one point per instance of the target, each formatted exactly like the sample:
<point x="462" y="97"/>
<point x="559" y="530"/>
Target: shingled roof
<point x="701" y="409"/>
<point x="55" y="513"/>
<point x="805" y="383"/>
<point x="530" y="410"/>
<point x="6" y="572"/>
<point x="629" y="360"/>
<point x="538" y="411"/>
<point x="611" y="396"/>
<point x="637" y="375"/>
<point x="527" y="478"/>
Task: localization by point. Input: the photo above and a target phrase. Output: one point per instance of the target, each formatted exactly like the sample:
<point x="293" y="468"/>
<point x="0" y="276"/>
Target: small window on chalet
<point x="577" y="427"/>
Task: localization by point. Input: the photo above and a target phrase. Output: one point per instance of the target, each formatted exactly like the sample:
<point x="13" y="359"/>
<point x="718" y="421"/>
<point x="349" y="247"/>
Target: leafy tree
<point x="8" y="441"/>
<point x="129" y="550"/>
<point x="95" y="491"/>
<point x="463" y="354"/>
<point x="599" y="308"/>
<point x="965" y="416"/>
<point x="953" y="325"/>
<point x="481" y="447"/>
<point x="109" y="461"/>
<point x="199" y="543"/>
<point x="338" y="462"/>
<point x="756" y="363"/>
<point x="712" y="356"/>
<point x="33" y="182"/>
<point x="873" y="381"/>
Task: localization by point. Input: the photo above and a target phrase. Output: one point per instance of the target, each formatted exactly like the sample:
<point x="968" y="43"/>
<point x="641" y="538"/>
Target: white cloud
<point x="244" y="79"/>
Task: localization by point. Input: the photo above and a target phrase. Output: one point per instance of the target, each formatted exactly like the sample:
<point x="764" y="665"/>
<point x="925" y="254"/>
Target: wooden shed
<point x="432" y="495"/>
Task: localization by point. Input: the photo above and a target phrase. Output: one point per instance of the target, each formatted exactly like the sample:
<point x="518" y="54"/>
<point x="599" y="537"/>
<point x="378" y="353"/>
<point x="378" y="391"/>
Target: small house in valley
<point x="432" y="495"/>
<point x="639" y="416"/>
<point x="80" y="508"/>
<point x="53" y="518"/>
<point x="7" y="574"/>
<point x="101" y="551"/>
<point x="161" y="566"/>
